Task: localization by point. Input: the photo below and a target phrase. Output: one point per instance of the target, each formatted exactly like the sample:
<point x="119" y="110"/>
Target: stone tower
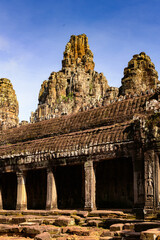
<point x="140" y="75"/>
<point x="9" y="108"/>
<point x="76" y="87"/>
<point x="77" y="53"/>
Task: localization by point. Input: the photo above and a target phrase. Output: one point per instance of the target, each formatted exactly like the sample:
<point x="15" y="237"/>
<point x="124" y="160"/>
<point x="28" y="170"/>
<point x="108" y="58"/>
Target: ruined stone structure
<point x="103" y="153"/>
<point x="76" y="87"/>
<point x="9" y="108"/>
<point x="139" y="75"/>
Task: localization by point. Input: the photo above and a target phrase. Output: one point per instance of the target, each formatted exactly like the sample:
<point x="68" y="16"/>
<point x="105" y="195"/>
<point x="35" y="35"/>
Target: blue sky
<point x="33" y="35"/>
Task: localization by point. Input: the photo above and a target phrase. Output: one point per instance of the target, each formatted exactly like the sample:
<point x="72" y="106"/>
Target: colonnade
<point x="87" y="185"/>
<point x="51" y="191"/>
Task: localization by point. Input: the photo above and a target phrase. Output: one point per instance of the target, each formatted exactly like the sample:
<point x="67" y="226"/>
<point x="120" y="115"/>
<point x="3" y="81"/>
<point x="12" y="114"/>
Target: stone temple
<point x="88" y="145"/>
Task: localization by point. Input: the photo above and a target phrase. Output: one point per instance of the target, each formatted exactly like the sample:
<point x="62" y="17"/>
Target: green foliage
<point x="91" y="86"/>
<point x="58" y="100"/>
<point x="67" y="98"/>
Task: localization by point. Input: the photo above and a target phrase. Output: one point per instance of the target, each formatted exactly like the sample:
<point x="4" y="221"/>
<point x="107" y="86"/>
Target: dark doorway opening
<point x="36" y="187"/>
<point x="114" y="183"/>
<point x="9" y="190"/>
<point x="70" y="189"/>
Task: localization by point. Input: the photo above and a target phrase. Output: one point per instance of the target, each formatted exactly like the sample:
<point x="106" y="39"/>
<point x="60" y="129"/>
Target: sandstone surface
<point x="76" y="87"/>
<point x="140" y="75"/>
<point x="43" y="236"/>
<point x="9" y="108"/>
<point x="128" y="230"/>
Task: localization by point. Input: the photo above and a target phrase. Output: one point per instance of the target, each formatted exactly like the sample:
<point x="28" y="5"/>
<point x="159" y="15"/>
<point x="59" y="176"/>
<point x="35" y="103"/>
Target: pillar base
<point x="89" y="209"/>
<point x="21" y="207"/>
<point x="51" y="208"/>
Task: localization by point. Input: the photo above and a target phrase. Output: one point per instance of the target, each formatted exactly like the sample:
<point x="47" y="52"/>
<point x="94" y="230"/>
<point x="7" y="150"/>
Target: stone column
<point x="51" y="201"/>
<point x="151" y="179"/>
<point x="90" y="189"/>
<point x="157" y="180"/>
<point x="138" y="178"/>
<point x="21" y="191"/>
<point x="138" y="183"/>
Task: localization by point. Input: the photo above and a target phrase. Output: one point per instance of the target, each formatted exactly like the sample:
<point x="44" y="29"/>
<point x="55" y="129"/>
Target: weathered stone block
<point x="130" y="235"/>
<point x="128" y="226"/>
<point x="23" y="224"/>
<point x="79" y="231"/>
<point x="95" y="223"/>
<point x="105" y="238"/>
<point x="116" y="227"/>
<point x="64" y="221"/>
<point x="43" y="236"/>
<point x="78" y="220"/>
<point x="32" y="231"/>
<point x="106" y="233"/>
<point x="53" y="231"/>
<point x="143" y="226"/>
<point x="5" y="220"/>
<point x="17" y="220"/>
<point x="150" y="234"/>
<point x="4" y="228"/>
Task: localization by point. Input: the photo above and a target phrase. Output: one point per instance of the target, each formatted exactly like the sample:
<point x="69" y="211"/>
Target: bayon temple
<point x="88" y="145"/>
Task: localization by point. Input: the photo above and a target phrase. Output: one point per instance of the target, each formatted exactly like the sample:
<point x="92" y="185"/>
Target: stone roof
<point x="76" y="143"/>
<point x="116" y="112"/>
<point x="99" y="130"/>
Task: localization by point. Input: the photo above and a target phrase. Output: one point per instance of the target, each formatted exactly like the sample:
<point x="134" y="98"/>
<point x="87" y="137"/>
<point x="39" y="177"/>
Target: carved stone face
<point x="8" y="103"/>
<point x="77" y="86"/>
<point x="140" y="75"/>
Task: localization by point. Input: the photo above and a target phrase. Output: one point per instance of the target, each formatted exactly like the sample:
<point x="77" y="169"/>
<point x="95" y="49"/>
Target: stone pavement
<point x="76" y="225"/>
